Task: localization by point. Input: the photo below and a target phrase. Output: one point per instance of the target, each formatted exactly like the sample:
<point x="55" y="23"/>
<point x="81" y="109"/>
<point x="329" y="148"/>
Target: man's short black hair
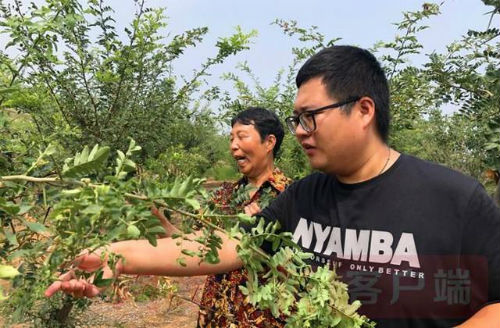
<point x="349" y="71"/>
<point x="265" y="122"/>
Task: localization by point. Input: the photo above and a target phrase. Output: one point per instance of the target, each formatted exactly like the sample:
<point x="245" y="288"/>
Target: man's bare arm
<point x="143" y="258"/>
<point x="140" y="257"/>
<point x="487" y="317"/>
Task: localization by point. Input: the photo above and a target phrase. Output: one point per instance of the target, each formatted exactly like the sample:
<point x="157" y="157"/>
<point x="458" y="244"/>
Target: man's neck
<point x="376" y="160"/>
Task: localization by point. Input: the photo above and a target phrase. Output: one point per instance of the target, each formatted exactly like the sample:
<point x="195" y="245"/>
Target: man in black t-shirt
<point x="418" y="243"/>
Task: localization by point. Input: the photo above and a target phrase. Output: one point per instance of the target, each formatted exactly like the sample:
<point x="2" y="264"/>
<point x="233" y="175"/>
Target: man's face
<point x="338" y="136"/>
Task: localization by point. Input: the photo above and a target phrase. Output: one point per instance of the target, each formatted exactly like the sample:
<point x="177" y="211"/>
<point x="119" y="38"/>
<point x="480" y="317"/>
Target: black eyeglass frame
<point x="293" y="122"/>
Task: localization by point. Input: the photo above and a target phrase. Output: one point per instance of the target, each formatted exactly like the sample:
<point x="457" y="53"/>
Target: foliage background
<point x="81" y="83"/>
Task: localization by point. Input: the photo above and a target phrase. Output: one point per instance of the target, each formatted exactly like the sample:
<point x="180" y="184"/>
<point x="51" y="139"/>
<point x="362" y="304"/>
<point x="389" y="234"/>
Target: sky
<point x="360" y="23"/>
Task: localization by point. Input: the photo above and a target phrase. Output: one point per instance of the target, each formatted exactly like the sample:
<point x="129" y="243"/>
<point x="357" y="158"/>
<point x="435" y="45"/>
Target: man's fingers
<point x="68" y="282"/>
<point x="252" y="209"/>
<point x="57" y="286"/>
<point x="54" y="288"/>
<point x="89" y="262"/>
<point x="74" y="286"/>
<point x="91" y="291"/>
<point x="67" y="275"/>
<point x="66" y="286"/>
<point x="79" y="289"/>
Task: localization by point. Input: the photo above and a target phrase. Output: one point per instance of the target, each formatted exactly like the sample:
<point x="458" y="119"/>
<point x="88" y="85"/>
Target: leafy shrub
<point x="176" y="161"/>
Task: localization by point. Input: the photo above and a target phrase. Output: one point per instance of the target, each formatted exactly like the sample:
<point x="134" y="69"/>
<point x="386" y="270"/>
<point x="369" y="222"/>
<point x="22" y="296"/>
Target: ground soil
<point x="175" y="310"/>
<point x="168" y="312"/>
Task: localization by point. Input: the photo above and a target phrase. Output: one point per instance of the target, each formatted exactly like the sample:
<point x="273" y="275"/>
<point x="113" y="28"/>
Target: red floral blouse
<point x="223" y="305"/>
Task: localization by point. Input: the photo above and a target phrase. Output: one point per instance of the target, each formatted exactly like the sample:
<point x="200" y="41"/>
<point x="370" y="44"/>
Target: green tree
<point x="82" y="89"/>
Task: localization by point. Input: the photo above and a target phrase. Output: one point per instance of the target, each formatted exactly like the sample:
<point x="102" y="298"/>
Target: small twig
<point x="40" y="180"/>
<point x="46" y="215"/>
<point x="12" y="227"/>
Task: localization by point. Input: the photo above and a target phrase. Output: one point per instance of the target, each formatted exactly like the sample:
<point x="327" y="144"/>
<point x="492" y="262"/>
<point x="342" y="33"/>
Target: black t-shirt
<point x="419" y="245"/>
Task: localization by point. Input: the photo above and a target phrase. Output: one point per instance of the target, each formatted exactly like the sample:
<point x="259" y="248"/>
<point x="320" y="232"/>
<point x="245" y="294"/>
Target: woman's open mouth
<point x="240" y="160"/>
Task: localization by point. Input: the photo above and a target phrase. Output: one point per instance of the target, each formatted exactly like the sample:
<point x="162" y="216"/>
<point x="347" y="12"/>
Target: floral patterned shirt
<point x="223" y="305"/>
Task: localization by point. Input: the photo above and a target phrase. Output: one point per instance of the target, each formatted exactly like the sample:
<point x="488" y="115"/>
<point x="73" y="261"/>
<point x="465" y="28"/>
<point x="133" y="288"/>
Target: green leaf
<point x="8" y="272"/>
<point x="103" y="189"/>
<point x="50" y="150"/>
<point x="93" y="152"/>
<point x="100" y="282"/>
<point x="92" y="209"/>
<point x="244" y="290"/>
<point x="275" y="244"/>
<point x="152" y="239"/>
<point x="156" y="230"/>
<point x="184" y="186"/>
<point x="491" y="146"/>
<point x="193" y="203"/>
<point x="132" y="148"/>
<point x="24" y="209"/>
<point x="11" y="237"/>
<point x="247" y="219"/>
<point x="212" y="258"/>
<point x="188" y="252"/>
<point x="36" y="227"/>
<point x="133" y="231"/>
<point x="176" y="235"/>
<point x="84" y="156"/>
<point x="128" y="165"/>
<point x="174" y="191"/>
<point x="121" y="155"/>
<point x="181" y="261"/>
<point x="83" y="166"/>
<point x="9" y="207"/>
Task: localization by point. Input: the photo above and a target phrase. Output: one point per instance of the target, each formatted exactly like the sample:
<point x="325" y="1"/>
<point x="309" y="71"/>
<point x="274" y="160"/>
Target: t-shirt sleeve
<point x="482" y="237"/>
<point x="278" y="209"/>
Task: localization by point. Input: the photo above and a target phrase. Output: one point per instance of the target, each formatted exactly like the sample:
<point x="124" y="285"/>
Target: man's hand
<point x="252" y="209"/>
<point x="70" y="284"/>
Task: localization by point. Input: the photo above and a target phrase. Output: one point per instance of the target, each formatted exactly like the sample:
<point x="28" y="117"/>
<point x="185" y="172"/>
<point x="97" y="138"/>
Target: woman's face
<point x="252" y="154"/>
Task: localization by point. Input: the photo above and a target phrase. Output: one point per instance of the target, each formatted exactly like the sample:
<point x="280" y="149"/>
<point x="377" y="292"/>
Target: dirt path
<point x="165" y="312"/>
<point x="162" y="313"/>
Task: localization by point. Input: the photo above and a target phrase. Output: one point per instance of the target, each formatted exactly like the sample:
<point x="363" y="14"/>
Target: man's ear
<point x="270" y="142"/>
<point x="366" y="110"/>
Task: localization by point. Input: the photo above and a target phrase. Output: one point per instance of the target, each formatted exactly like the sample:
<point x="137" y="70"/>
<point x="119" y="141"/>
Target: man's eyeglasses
<point x="306" y="118"/>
